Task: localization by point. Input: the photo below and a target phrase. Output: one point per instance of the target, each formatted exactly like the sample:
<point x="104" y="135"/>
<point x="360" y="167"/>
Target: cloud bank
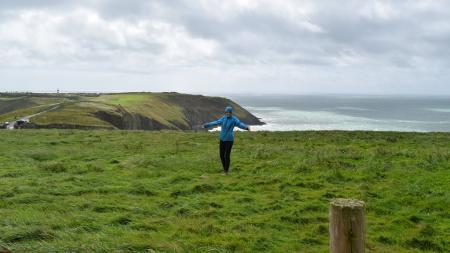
<point x="212" y="46"/>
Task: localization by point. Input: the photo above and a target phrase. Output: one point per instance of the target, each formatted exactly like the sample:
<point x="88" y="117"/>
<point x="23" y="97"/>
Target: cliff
<point x="128" y="111"/>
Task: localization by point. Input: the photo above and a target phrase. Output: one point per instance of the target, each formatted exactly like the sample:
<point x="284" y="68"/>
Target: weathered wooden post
<point x="347" y="226"/>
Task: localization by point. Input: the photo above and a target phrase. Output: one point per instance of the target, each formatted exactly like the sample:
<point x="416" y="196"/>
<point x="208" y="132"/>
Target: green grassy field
<point x="122" y="191"/>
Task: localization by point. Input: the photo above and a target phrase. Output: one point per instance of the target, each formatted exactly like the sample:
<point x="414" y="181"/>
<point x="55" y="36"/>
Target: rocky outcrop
<point x="199" y="109"/>
<point x="122" y="119"/>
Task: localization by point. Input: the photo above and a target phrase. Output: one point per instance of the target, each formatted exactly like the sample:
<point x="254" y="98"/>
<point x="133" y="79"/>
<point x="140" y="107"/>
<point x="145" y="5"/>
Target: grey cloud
<point x="28" y="4"/>
<point x="136" y="35"/>
<point x="400" y="35"/>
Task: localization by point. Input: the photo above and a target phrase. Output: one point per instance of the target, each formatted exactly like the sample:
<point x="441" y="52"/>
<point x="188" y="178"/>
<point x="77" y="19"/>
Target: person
<point x="227" y="123"/>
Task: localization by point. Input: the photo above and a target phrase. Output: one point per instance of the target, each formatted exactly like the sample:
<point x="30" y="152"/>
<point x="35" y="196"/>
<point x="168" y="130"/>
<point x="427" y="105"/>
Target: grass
<point x="151" y="105"/>
<point x="150" y="111"/>
<point x="15" y="108"/>
<point x="75" y="114"/>
<point x="124" y="191"/>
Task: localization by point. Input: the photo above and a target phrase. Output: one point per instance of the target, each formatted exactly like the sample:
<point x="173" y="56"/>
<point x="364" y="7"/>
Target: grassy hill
<point x="146" y="111"/>
<point x="122" y="191"/>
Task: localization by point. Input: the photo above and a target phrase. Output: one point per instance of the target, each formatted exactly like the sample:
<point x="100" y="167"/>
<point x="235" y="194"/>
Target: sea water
<point x="348" y="112"/>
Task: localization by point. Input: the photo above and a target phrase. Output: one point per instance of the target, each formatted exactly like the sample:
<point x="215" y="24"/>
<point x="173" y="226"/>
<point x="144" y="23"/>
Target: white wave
<point x="252" y="108"/>
<point x="446" y="110"/>
<point x="351" y="108"/>
<point x="290" y="120"/>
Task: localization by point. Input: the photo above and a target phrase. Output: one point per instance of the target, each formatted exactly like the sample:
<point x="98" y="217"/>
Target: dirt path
<point x="27" y="118"/>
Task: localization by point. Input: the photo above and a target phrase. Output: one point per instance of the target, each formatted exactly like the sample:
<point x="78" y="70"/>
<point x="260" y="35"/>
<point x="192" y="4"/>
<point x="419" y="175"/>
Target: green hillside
<point x="136" y="191"/>
<point x="146" y="111"/>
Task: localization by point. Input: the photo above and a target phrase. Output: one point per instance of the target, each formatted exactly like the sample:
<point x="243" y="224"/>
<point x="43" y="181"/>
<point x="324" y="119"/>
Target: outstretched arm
<point x="213" y="123"/>
<point x="242" y="125"/>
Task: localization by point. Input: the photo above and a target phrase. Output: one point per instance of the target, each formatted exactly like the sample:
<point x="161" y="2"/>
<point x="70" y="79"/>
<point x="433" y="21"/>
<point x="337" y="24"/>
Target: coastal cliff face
<point x="126" y="111"/>
<point x="200" y="109"/>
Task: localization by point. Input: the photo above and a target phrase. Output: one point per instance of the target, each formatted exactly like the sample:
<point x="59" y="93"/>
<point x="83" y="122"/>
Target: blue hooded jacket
<point x="227" y="125"/>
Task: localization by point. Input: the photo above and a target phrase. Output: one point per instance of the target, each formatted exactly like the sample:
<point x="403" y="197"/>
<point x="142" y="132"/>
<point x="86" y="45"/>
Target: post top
<point x="352" y="203"/>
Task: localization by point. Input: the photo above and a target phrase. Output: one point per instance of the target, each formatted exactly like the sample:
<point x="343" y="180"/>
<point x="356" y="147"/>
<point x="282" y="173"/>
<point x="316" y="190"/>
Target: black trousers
<point x="225" y="152"/>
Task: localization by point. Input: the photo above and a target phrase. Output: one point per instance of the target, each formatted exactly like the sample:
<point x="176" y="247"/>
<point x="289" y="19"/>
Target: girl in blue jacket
<point x="227" y="123"/>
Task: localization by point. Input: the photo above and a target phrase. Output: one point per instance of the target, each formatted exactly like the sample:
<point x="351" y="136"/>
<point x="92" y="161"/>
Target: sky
<point x="232" y="46"/>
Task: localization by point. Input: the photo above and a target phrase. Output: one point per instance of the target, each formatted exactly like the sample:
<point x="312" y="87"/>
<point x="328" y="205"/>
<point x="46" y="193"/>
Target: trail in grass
<point x="27" y="118"/>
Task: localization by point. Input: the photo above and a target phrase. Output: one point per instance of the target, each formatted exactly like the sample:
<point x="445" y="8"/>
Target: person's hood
<point x="229" y="109"/>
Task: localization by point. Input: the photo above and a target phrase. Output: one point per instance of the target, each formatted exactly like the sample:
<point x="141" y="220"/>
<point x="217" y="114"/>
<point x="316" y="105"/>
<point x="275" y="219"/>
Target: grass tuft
<point x="54" y="166"/>
<point x="37" y="234"/>
<point x="424" y="244"/>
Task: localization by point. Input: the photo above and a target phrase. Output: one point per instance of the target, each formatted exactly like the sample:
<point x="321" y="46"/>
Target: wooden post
<point x="347" y="226"/>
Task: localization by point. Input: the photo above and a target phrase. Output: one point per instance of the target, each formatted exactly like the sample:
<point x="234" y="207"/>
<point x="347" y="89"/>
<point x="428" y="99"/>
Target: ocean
<point x="348" y="112"/>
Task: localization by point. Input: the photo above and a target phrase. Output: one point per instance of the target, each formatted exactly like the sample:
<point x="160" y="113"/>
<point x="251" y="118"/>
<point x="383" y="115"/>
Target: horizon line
<point x="227" y="93"/>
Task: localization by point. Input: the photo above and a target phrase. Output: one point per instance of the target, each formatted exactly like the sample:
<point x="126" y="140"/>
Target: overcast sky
<point x="226" y="46"/>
